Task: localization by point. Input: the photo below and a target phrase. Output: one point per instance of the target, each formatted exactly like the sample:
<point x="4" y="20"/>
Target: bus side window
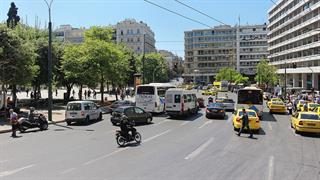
<point x="185" y="98"/>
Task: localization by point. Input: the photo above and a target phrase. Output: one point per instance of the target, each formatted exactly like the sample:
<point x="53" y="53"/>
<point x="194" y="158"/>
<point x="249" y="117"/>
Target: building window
<point x="264" y="29"/>
<point x="138" y="31"/>
<point x="121" y="32"/>
<point x="254" y="29"/>
<point x="128" y="32"/>
<point x="138" y="39"/>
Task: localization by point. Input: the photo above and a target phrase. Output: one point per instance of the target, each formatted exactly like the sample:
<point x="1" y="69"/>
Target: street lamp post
<point x="285" y="80"/>
<point x="49" y="63"/>
<point x="143" y="59"/>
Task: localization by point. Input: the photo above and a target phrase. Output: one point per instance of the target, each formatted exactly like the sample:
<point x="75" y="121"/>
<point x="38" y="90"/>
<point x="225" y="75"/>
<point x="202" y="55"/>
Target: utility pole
<point x="49" y="63"/>
<point x="143" y="59"/>
<point x="285" y="80"/>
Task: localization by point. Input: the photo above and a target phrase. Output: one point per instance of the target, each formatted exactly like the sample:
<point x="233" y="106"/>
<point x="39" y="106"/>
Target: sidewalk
<point x="57" y="117"/>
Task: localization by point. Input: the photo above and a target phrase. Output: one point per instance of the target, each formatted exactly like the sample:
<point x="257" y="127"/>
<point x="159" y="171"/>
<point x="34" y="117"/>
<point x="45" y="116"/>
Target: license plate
<point x="214" y="110"/>
<point x="73" y="113"/>
<point x="145" y="104"/>
<point x="310" y="124"/>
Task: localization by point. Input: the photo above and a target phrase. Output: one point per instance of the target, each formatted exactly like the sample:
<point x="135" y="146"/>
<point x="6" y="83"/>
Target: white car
<point x="82" y="111"/>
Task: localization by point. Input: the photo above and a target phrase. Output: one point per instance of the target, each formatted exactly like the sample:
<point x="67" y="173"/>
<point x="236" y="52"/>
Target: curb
<point x="9" y="130"/>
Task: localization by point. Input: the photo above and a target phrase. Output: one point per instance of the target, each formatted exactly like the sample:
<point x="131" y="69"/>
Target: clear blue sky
<point x="167" y="26"/>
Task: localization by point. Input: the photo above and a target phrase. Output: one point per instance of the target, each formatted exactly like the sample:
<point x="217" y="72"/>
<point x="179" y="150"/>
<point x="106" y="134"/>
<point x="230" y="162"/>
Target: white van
<point x="82" y="111"/>
<point x="181" y="102"/>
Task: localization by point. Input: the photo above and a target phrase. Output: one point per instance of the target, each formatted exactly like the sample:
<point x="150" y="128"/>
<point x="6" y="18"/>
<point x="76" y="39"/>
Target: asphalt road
<point x="196" y="148"/>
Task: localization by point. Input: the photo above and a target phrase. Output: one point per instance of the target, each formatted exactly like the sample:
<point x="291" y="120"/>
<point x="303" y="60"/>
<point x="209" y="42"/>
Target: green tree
<point x="155" y="65"/>
<point x="17" y="58"/>
<point x="266" y="73"/>
<point x="231" y="75"/>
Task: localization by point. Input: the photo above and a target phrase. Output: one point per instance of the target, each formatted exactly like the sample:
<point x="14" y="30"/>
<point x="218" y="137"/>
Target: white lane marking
<point x="204" y="124"/>
<point x="68" y="170"/>
<point x="8" y="173"/>
<point x="104" y="156"/>
<point x="153" y="137"/>
<point x="167" y="120"/>
<point x="187" y="122"/>
<point x="199" y="149"/>
<point x="270" y="126"/>
<point x="271" y="164"/>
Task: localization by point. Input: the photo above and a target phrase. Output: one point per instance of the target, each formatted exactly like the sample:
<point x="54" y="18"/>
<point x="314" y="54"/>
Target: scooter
<point x="122" y="139"/>
<point x="40" y="121"/>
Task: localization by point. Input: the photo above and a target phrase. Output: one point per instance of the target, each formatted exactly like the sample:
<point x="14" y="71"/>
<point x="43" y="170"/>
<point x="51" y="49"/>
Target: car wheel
<point x="68" y="123"/>
<point x="44" y="126"/>
<point x="87" y="121"/>
<point x="149" y="120"/>
<point x="100" y="117"/>
<point x="235" y="129"/>
<point x="296" y="131"/>
<point x="291" y="125"/>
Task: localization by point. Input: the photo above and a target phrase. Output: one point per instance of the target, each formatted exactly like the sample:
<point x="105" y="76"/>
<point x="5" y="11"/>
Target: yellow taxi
<point x="209" y="92"/>
<point x="277" y="107"/>
<point x="301" y="104"/>
<point x="312" y="106"/>
<point x="305" y="122"/>
<point x="272" y="100"/>
<point x="254" y="122"/>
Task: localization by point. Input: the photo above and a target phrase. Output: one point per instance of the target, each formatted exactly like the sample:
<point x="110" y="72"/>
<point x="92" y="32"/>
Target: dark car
<point x="135" y="114"/>
<point x="215" y="110"/>
<point x="117" y="104"/>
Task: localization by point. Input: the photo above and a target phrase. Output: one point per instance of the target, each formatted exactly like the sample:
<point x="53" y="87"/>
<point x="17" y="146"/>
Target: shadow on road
<point x="310" y="135"/>
<point x="192" y="118"/>
<point x="85" y="124"/>
<point x="268" y="117"/>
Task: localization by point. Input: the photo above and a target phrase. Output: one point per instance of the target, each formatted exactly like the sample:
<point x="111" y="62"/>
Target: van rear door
<point x="173" y="102"/>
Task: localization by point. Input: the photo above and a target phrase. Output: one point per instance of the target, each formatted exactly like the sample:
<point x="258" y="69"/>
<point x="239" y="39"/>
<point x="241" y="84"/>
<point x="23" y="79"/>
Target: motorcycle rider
<point x="126" y="126"/>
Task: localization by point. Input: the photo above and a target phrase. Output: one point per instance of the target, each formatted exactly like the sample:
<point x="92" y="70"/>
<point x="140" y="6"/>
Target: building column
<point x="304" y="81"/>
<point x="315" y="79"/>
<point x="295" y="80"/>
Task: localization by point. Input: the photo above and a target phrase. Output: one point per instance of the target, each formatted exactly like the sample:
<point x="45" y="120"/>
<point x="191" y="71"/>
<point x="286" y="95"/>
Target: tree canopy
<point x="231" y="75"/>
<point x="266" y="73"/>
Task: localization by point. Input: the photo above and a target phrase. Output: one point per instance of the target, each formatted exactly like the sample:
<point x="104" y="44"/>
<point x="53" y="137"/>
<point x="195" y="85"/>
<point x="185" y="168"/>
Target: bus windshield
<point x="250" y="97"/>
<point x="149" y="90"/>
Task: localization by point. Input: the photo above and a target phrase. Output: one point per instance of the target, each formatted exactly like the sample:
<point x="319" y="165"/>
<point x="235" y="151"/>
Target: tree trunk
<point x="116" y="90"/>
<point x="14" y="95"/>
<point x="80" y="92"/>
<point x="69" y="88"/>
<point x="108" y="88"/>
<point x="102" y="88"/>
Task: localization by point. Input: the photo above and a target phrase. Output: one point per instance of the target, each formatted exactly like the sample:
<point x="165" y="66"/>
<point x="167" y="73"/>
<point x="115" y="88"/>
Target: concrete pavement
<point x="171" y="149"/>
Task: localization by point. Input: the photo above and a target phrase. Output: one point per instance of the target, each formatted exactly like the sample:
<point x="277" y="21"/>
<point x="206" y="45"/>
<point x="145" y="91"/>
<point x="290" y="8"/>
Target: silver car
<point x="228" y="104"/>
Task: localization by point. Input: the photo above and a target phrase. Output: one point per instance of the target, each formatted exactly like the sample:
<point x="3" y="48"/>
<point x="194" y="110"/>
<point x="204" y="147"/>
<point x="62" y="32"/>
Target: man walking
<point x="13" y="122"/>
<point x="245" y="123"/>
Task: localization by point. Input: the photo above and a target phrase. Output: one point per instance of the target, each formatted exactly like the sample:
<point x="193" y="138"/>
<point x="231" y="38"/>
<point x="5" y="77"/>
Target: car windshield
<point x="277" y="102"/>
<point x="74" y="107"/>
<point x="119" y="110"/>
<point x="215" y="105"/>
<point x="250" y="114"/>
<point x="310" y="116"/>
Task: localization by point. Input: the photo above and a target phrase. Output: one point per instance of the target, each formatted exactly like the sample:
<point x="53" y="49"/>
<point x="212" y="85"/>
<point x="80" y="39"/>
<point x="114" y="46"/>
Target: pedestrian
<point x="56" y="92"/>
<point x="31" y="95"/>
<point x="85" y="94"/>
<point x="79" y="95"/>
<point x="289" y="106"/>
<point x="245" y="123"/>
<point x="27" y="91"/>
<point x="94" y="94"/>
<point x="89" y="93"/>
<point x="13" y="122"/>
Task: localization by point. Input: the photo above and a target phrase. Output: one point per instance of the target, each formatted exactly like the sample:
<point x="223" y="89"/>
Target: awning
<point x="303" y="70"/>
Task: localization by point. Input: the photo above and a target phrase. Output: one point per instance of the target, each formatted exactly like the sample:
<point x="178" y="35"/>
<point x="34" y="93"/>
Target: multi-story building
<point x="209" y="50"/>
<point x="172" y="60"/>
<point x="293" y="38"/>
<point x="66" y="33"/>
<point x="136" y="35"/>
<point x="252" y="47"/>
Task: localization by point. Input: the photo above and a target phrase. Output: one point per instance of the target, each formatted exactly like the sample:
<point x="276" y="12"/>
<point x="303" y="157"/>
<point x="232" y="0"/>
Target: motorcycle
<point x="40" y="121"/>
<point x="122" y="138"/>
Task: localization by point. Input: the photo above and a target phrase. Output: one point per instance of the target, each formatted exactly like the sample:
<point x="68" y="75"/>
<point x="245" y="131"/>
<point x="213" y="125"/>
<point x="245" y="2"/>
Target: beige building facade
<point x="294" y="33"/>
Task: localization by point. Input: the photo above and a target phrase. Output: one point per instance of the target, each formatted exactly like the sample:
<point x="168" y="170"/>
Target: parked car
<point x="277" y="107"/>
<point x="215" y="110"/>
<point x="135" y="114"/>
<point x="228" y="104"/>
<point x="181" y="102"/>
<point x="305" y="122"/>
<point x="117" y="104"/>
<point x="82" y="111"/>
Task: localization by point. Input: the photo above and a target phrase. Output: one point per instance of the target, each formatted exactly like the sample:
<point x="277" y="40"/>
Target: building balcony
<point x="296" y="49"/>
<point x="279" y="9"/>
<point x="298" y="38"/>
<point x="286" y="13"/>
<point x="296" y="60"/>
<point x="303" y="70"/>
<point x="300" y="26"/>
<point x="312" y="8"/>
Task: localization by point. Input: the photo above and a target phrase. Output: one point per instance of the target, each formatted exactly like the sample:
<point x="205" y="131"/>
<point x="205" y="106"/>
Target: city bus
<point x="251" y="98"/>
<point x="151" y="97"/>
<point x="221" y="85"/>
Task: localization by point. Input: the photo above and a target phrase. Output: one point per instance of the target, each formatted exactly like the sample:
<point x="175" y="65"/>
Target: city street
<point x="196" y="148"/>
